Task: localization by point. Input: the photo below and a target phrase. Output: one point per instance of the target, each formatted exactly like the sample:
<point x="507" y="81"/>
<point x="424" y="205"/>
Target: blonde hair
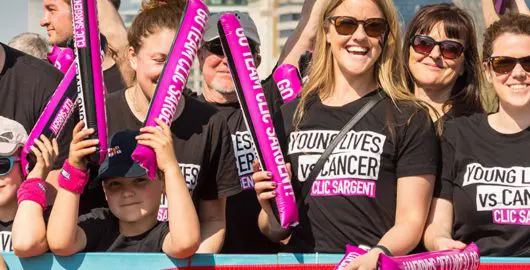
<point x="389" y="69"/>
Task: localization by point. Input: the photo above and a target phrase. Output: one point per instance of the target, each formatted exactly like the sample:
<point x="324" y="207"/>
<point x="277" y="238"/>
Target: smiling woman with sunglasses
<point x="485" y="182"/>
<point x="442" y="61"/>
<point x="361" y="195"/>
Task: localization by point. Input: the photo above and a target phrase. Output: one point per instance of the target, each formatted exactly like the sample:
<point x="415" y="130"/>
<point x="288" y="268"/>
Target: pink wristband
<point x="33" y="189"/>
<point x="72" y="178"/>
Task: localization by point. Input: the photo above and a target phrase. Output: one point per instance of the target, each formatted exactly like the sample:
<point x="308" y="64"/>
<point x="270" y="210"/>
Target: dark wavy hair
<point x="465" y="98"/>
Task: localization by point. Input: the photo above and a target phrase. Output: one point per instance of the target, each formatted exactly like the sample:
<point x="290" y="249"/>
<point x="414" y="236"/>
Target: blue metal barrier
<point x="130" y="261"/>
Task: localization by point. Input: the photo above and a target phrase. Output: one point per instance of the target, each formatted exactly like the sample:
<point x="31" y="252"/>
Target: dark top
<point x="113" y="80"/>
<point x="26" y="85"/>
<point x="242" y="210"/>
<point x="5" y="236"/>
<point x="201" y="141"/>
<point x="353" y="199"/>
<point x="102" y="232"/>
<point x="486" y="174"/>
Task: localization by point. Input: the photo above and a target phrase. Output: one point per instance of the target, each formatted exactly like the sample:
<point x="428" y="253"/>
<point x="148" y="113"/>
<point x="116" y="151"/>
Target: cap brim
<point x="8" y="149"/>
<point x="117" y="171"/>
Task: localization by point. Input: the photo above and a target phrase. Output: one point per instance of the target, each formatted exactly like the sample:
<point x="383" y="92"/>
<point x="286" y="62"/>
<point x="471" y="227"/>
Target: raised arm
<point x="183" y="238"/>
<point x="29" y="228"/>
<point x="64" y="236"/>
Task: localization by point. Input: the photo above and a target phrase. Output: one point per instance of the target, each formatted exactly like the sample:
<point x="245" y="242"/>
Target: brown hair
<point x="154" y="16"/>
<point x="511" y="23"/>
<point x="465" y="98"/>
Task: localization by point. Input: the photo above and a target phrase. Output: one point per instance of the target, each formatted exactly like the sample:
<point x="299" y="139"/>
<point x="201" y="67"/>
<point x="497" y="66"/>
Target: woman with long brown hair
<point x="362" y="194"/>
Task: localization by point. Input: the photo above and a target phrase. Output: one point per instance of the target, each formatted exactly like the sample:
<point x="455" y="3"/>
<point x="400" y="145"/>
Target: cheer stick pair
<point x="62" y="59"/>
<point x="454" y="259"/>
<point x="256" y="114"/>
<point x="174" y="76"/>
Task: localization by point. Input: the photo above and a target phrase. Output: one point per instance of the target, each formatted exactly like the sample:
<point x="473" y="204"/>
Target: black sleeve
<point x="417" y="150"/>
<point x="94" y="224"/>
<point x="444" y="185"/>
<point x="221" y="178"/>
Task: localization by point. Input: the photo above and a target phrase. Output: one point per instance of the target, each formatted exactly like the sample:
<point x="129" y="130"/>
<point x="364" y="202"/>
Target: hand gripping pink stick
<point x="174" y="76"/>
<point x="352" y="252"/>
<point x="90" y="74"/>
<point x="466" y="259"/>
<point x="52" y="120"/>
<point x="288" y="80"/>
<point x="62" y="59"/>
<point x="256" y="115"/>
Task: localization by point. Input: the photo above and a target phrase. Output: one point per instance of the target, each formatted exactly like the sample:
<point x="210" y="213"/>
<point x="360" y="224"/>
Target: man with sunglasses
<point x="242" y="233"/>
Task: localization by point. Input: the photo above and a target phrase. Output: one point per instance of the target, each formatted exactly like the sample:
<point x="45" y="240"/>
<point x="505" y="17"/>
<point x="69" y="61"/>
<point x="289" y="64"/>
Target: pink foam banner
<point x="288" y="80"/>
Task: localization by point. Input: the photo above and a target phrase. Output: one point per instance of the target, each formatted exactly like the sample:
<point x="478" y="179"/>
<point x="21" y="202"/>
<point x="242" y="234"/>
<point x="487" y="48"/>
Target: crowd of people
<point x="427" y="168"/>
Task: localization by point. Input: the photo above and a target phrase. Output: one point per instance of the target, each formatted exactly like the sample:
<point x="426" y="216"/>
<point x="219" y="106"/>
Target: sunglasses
<point x="424" y="45"/>
<point x="505" y="64"/>
<point x="216" y="48"/>
<point x="6" y="164"/>
<point x="346" y="25"/>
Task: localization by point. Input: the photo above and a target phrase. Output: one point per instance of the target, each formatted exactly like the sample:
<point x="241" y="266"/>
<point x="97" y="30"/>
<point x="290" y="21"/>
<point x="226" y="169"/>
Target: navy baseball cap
<point x="119" y="162"/>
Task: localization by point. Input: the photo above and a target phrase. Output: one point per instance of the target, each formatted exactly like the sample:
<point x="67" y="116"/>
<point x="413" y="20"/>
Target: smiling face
<point x="57" y="20"/>
<point x="133" y="199"/>
<point x="433" y="71"/>
<point x="355" y="54"/>
<point x="513" y="88"/>
<point x="149" y="61"/>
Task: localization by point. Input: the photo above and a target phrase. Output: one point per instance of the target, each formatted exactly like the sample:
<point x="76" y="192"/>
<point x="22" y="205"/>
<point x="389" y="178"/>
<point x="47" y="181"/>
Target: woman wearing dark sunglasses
<point x="23" y="201"/>
<point x="362" y="194"/>
<point x="443" y="64"/>
<point x="485" y="182"/>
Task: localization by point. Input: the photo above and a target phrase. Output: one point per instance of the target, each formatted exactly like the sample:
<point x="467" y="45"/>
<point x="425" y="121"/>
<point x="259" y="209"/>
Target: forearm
<point x="522" y="7"/>
<point x="29" y="230"/>
<point x="183" y="220"/>
<point x="62" y="225"/>
<point x="112" y="26"/>
<point x="488" y="10"/>
<point x="212" y="236"/>
<point x="52" y="185"/>
<point x="435" y="231"/>
<point x="403" y="237"/>
<point x="270" y="227"/>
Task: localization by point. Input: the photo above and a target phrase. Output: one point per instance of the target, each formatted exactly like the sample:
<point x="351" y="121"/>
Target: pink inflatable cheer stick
<point x="352" y="252"/>
<point x="500" y="6"/>
<point x="62" y="59"/>
<point x="466" y="259"/>
<point x="91" y="90"/>
<point x="256" y="115"/>
<point x="52" y="120"/>
<point x="288" y="80"/>
<point x="174" y="76"/>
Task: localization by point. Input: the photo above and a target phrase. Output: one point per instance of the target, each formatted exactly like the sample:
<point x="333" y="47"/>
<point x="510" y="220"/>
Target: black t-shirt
<point x="242" y="210"/>
<point x="5" y="236"/>
<point x="486" y="174"/>
<point x="102" y="232"/>
<point x="113" y="79"/>
<point x="26" y="85"/>
<point x="353" y="200"/>
<point x="202" y="146"/>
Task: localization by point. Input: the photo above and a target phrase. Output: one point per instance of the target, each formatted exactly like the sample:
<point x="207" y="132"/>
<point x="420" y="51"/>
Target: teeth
<point x="357" y="49"/>
<point x="518" y="86"/>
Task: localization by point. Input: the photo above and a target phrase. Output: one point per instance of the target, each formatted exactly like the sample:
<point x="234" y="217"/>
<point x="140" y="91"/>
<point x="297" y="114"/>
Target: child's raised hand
<point x="159" y="138"/>
<point x="46" y="153"/>
<point x="80" y="147"/>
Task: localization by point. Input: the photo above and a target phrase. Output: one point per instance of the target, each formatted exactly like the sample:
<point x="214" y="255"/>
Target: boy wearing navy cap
<point x="130" y="223"/>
